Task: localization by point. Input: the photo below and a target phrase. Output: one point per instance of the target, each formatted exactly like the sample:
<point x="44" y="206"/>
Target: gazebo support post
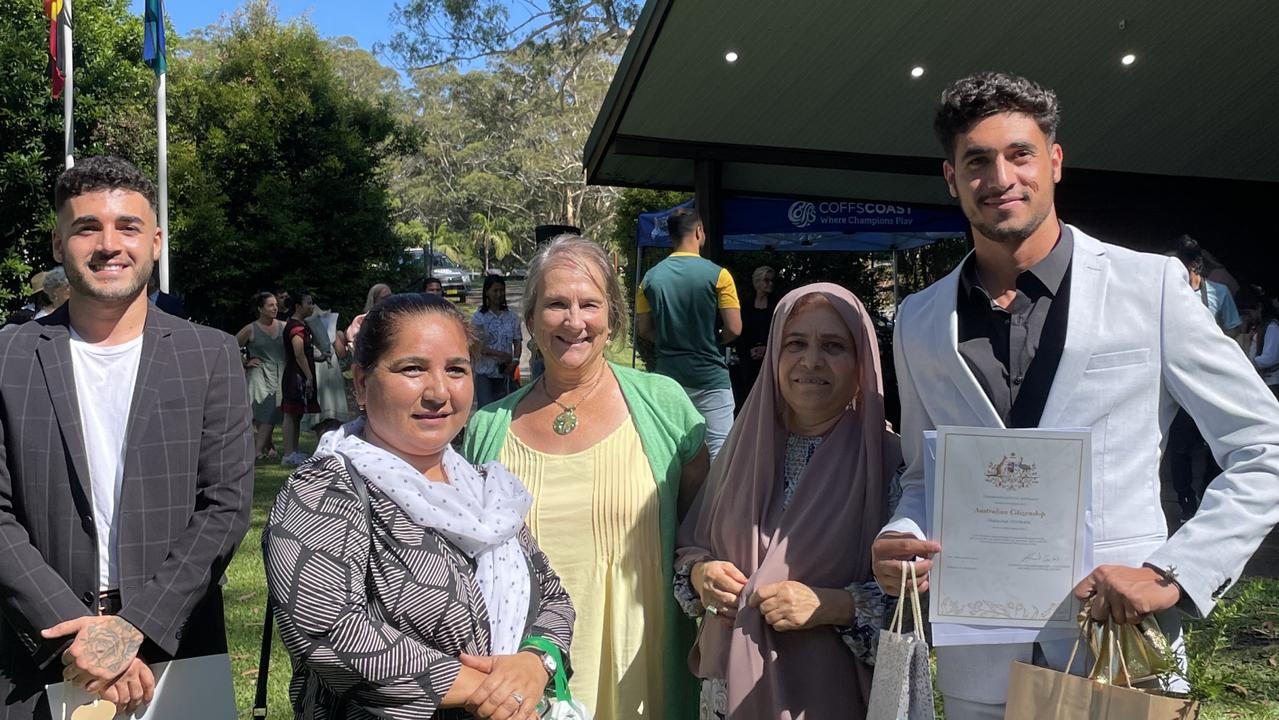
<point x="708" y="186"/>
<point x="896" y="287"/>
<point x="639" y="255"/>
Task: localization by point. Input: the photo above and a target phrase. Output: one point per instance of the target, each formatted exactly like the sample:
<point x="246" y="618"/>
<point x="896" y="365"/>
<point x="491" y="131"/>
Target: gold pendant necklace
<point x="566" y="422"/>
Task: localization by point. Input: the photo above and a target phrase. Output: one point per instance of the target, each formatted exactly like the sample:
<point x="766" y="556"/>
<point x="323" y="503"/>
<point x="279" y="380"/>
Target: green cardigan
<point x="672" y="433"/>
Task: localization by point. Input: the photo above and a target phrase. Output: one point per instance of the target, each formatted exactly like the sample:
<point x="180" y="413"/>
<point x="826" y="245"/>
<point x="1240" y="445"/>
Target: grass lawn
<point x="1234" y="655"/>
<point x="246" y="601"/>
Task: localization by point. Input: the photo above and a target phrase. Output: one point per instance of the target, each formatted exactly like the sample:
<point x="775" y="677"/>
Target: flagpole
<point x="68" y="91"/>
<point x="162" y="164"/>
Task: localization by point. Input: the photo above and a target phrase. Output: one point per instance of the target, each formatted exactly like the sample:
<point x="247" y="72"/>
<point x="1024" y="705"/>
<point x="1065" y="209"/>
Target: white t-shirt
<point x="104" y="381"/>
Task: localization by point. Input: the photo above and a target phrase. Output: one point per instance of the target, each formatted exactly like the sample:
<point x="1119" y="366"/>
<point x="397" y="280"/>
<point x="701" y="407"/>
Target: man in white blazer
<point x="1045" y="326"/>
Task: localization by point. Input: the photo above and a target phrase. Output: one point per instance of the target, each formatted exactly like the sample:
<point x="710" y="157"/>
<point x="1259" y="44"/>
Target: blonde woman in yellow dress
<point x="611" y="456"/>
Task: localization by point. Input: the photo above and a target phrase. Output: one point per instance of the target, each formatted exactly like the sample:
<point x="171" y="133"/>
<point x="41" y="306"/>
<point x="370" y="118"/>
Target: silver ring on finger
<point x="518" y="698"/>
<point x="712" y="609"/>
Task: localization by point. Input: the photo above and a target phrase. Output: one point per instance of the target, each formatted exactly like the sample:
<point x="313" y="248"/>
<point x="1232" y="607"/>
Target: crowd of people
<point x="294" y="358"/>
<point x="619" y="529"/>
<point x="1247" y="314"/>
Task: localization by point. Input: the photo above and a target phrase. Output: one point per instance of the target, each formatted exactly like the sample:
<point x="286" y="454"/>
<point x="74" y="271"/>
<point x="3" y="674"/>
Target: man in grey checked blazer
<point x="181" y="469"/>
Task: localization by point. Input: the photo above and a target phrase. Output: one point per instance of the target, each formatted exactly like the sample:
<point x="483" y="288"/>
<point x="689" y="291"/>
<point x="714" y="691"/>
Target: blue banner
<point x="785" y="225"/>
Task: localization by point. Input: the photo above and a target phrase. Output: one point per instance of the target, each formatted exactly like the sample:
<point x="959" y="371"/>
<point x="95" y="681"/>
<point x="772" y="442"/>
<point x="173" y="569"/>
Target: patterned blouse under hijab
<point x="374" y="622"/>
<point x="872" y="605"/>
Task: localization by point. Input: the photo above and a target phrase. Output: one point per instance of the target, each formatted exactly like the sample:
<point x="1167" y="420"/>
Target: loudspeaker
<point x="544" y="233"/>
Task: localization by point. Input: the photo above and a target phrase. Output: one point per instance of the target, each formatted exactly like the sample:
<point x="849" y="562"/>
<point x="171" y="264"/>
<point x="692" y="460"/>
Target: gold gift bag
<point x="1036" y="693"/>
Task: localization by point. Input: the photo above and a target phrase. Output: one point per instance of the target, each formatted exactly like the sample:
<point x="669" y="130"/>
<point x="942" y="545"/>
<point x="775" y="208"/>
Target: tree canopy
<point x="276" y="160"/>
<point x="444" y="32"/>
<point x="113" y="115"/>
<point x="277" y="147"/>
<point x="502" y="141"/>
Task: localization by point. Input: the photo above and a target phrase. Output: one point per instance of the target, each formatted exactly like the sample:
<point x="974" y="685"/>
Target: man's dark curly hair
<point x="981" y="95"/>
<point x="1187" y="250"/>
<point x="93" y="174"/>
<point x="681" y="223"/>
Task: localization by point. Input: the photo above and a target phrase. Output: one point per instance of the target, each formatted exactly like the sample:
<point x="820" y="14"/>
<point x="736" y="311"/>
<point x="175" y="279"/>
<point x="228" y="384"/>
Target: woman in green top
<point x="612" y="456"/>
<point x="264" y="365"/>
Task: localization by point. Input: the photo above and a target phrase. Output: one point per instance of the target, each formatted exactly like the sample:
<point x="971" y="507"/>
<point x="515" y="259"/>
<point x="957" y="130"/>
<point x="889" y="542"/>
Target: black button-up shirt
<point x="1014" y="351"/>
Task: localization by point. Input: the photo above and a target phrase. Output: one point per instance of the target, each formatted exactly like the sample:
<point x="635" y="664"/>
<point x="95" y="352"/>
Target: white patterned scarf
<point x="480" y="510"/>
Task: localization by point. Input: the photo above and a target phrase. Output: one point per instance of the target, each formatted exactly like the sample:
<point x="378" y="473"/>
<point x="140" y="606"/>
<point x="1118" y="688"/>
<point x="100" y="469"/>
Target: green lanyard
<point x="561" y="680"/>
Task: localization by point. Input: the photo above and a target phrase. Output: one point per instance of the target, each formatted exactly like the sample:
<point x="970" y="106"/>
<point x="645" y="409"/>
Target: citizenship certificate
<point x="191" y="689"/>
<point x="1010" y="511"/>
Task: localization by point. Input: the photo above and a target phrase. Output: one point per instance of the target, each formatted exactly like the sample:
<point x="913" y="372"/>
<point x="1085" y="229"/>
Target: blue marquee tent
<point x="790" y="225"/>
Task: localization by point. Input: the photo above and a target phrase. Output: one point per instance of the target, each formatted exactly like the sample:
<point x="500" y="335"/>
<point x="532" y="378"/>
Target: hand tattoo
<point x="110" y="644"/>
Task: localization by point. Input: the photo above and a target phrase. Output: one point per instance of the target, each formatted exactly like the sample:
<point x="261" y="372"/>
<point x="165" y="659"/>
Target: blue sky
<point x="368" y="21"/>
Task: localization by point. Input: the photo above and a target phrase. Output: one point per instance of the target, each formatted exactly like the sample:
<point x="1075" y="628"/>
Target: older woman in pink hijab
<point x="775" y="553"/>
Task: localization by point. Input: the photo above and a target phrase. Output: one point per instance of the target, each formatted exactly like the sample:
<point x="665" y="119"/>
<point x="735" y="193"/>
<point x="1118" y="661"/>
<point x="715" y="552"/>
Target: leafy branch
<point x="437" y="33"/>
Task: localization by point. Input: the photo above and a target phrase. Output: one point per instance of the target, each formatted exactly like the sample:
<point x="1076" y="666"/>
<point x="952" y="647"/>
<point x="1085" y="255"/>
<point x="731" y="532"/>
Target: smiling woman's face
<point x="817" y="365"/>
<point x="417" y="396"/>
<point x="269" y="309"/>
<point x="570" y="320"/>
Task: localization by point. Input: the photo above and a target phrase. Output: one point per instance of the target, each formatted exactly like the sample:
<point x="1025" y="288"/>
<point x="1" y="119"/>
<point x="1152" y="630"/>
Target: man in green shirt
<point x="681" y="301"/>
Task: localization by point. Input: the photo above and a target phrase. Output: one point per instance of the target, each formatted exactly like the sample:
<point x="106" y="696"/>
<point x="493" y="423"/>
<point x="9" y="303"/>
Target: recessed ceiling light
<point x="917" y="72"/>
<point x="730" y="56"/>
<point x="1128" y="59"/>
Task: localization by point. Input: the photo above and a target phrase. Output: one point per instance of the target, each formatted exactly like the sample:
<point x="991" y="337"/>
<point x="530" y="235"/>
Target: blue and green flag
<point x="153" y="52"/>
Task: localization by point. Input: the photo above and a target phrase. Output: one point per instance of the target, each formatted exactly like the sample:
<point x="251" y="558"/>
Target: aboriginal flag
<point x="59" y="14"/>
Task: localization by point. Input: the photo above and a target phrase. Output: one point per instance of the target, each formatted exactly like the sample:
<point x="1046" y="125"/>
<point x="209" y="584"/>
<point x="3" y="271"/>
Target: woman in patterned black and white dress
<point x="405" y="582"/>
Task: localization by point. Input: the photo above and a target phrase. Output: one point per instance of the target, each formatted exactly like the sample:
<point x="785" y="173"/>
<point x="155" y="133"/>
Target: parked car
<point x="455" y="279"/>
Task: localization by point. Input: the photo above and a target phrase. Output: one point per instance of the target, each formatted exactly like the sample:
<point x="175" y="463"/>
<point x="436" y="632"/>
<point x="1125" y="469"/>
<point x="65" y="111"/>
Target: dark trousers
<point x="491" y="389"/>
<point x="1188" y="456"/>
<point x="743" y="376"/>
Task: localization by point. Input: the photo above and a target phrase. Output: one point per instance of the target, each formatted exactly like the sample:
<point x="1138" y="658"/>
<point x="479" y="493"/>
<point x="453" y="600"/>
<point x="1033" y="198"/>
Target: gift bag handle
<point x="896" y="625"/>
<point x="1110" y="636"/>
<point x="1108" y="643"/>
